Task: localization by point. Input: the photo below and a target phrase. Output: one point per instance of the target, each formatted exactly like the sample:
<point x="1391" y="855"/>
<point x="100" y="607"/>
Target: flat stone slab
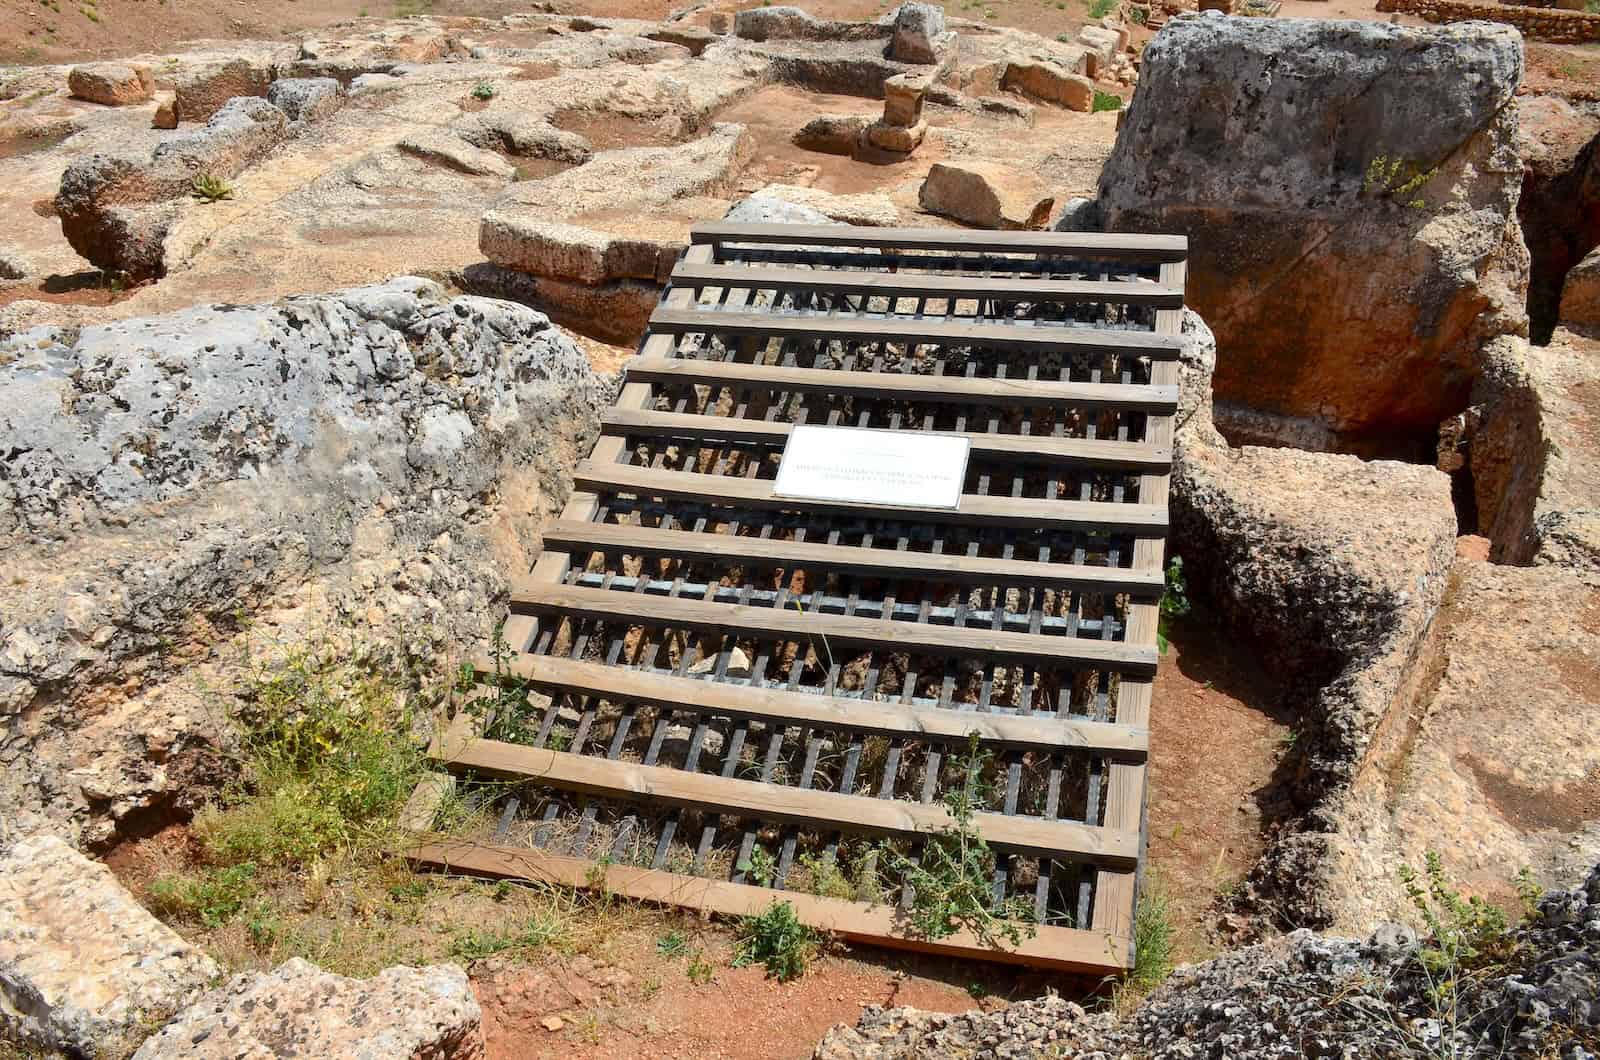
<point x="83" y="966"/>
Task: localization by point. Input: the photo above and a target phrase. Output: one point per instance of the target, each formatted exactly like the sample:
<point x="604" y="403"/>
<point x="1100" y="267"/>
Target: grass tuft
<point x="776" y="938"/>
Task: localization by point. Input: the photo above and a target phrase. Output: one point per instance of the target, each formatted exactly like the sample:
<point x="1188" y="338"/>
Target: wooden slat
<point x="872" y="562"/>
<point x="990" y="511"/>
<point x="1028" y="448"/>
<point x="1116" y="891"/>
<point x="632" y="782"/>
<point x="1117" y="245"/>
<point x="1019" y="731"/>
<point x="1041" y="338"/>
<point x="795" y="624"/>
<point x="926" y="285"/>
<point x="1056" y="948"/>
<point x="906" y="386"/>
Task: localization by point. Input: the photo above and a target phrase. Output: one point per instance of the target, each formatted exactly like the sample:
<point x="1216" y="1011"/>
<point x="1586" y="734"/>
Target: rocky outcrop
<point x="297" y="1009"/>
<point x="919" y="34"/>
<point x="118" y="210"/>
<point x="986" y="194"/>
<point x="13" y="266"/>
<point x="84" y="969"/>
<point x="1354" y="248"/>
<point x="785" y="23"/>
<point x="1560" y="203"/>
<point x="1534" y="452"/>
<point x="113" y="84"/>
<point x="204" y="91"/>
<point x="868" y="208"/>
<point x="377" y="459"/>
<point x="1580" y="293"/>
<point x="304" y="99"/>
<point x="1299" y="995"/>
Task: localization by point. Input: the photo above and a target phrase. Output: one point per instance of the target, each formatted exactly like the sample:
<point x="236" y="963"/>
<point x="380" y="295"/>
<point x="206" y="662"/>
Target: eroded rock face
<point x="306" y="98"/>
<point x="118" y="210"/>
<point x="1353" y="247"/>
<point x="919" y="33"/>
<point x="207" y="90"/>
<point x="1560" y="204"/>
<point x="83" y="967"/>
<point x="375" y="458"/>
<point x="1580" y="293"/>
<point x="298" y="1009"/>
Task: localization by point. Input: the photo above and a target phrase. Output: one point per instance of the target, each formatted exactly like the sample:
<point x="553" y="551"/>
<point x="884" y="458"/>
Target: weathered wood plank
<point x="1115" y="245"/>
<point x="930" y="331"/>
<point x="1109" y="516"/>
<point x="873" y="717"/>
<point x="795" y="624"/>
<point x="879" y="562"/>
<point x="1028" y="448"/>
<point x="906" y="386"/>
<point x="1056" y="948"/>
<point x="925" y="285"/>
<point x="659" y="785"/>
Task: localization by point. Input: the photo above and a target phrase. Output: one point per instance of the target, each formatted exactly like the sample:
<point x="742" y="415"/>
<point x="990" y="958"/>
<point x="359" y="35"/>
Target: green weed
<point x="1105" y="101"/>
<point x="1101" y="8"/>
<point x="672" y="944"/>
<point x="952" y="881"/>
<point x="209" y="188"/>
<point x="1397" y="180"/>
<point x="1465" y="936"/>
<point x="483" y="90"/>
<point x="760" y="866"/>
<point x="1174" y="602"/>
<point x="699" y="970"/>
<point x="475" y="945"/>
<point x="1152" y="935"/>
<point x="776" y="939"/>
<point x="212" y="897"/>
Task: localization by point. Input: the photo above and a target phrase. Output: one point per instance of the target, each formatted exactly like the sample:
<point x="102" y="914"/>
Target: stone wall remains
<point x="1536" y="23"/>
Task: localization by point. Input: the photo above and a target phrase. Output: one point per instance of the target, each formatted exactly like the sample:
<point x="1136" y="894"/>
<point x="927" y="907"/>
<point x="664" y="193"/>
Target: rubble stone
<point x="113" y="84"/>
<point x="986" y="194"/>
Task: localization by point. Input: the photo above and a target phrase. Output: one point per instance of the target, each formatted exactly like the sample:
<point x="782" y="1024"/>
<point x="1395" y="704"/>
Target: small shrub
<point x="1397" y="180"/>
<point x="209" y="188"/>
<point x="1174" y="601"/>
<point x="483" y="90"/>
<point x="1152" y="935"/>
<point x="952" y="882"/>
<point x="672" y="944"/>
<point x="1101" y="8"/>
<point x="211" y="898"/>
<point x="1105" y="101"/>
<point x="1139" y="15"/>
<point x="760" y="866"/>
<point x="1465" y="936"/>
<point x="776" y="939"/>
<point x="699" y="970"/>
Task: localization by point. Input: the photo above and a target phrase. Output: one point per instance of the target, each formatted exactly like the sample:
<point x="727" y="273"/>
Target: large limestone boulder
<point x="1560" y="204"/>
<point x="83" y="967"/>
<point x="202" y="92"/>
<point x="375" y="460"/>
<point x="113" y="84"/>
<point x="1353" y="247"/>
<point x="986" y="194"/>
<point x="1580" y="293"/>
<point x="919" y="33"/>
<point x="118" y="210"/>
<point x="299" y="1010"/>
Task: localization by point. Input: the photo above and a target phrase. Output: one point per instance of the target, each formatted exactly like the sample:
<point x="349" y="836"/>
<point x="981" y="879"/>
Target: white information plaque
<point x="901" y="468"/>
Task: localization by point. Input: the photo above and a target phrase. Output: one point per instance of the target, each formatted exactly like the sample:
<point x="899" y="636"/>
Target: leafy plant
<point x="212" y="897"/>
<point x="759" y="866"/>
<point x="483" y="90"/>
<point x="1101" y="8"/>
<point x="1139" y="15"/>
<point x="826" y="878"/>
<point x="1464" y="935"/>
<point x="207" y="187"/>
<point x="672" y="944"/>
<point x="699" y="970"/>
<point x="1174" y="601"/>
<point x="1105" y="101"/>
<point x="951" y="882"/>
<point x="474" y="945"/>
<point x="1397" y="180"/>
<point x="777" y="939"/>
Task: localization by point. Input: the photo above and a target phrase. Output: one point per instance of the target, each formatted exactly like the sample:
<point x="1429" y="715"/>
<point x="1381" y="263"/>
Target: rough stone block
<point x="918" y="33"/>
<point x="1049" y="82"/>
<point x="898" y="138"/>
<point x="986" y="194"/>
<point x="902" y="98"/>
<point x="834" y="134"/>
<point x="113" y="84"/>
<point x="83" y="967"/>
<point x="400" y="1012"/>
<point x="306" y="98"/>
<point x="203" y="92"/>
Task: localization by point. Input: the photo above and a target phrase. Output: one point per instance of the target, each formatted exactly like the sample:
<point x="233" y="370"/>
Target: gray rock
<point x="305" y="99"/>
<point x="204" y="91"/>
<point x="401" y="1012"/>
<point x="162" y="472"/>
<point x="83" y="967"/>
<point x="1079" y="215"/>
<point x="1378" y="210"/>
<point x="919" y="33"/>
<point x="13" y="266"/>
<point x="117" y="210"/>
<point x="765" y="209"/>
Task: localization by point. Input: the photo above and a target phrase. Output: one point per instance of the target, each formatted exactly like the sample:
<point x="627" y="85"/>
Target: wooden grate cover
<point x="738" y="697"/>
